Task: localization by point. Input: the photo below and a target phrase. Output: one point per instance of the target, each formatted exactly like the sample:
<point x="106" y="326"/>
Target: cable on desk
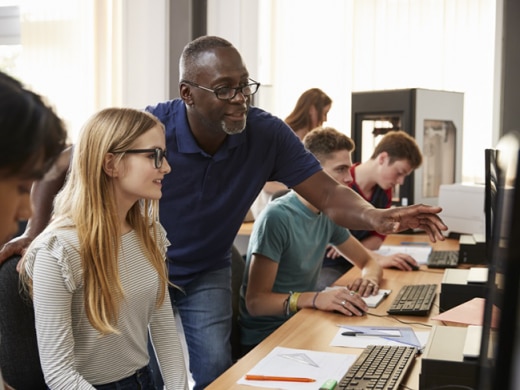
<point x="401" y="321"/>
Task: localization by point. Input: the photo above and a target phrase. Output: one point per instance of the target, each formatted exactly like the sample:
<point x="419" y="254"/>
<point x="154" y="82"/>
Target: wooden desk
<point x="246" y="229"/>
<point x="314" y="329"/>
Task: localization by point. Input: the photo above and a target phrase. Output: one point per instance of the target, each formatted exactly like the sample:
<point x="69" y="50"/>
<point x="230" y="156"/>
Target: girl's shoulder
<point x="62" y="247"/>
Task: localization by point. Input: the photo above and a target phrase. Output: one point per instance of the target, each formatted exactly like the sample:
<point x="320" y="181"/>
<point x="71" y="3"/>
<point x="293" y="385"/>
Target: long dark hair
<point x="32" y="134"/>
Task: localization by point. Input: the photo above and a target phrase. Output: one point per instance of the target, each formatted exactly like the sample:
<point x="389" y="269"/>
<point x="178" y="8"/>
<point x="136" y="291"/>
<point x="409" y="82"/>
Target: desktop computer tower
<point x="433" y="118"/>
<point x="443" y="364"/>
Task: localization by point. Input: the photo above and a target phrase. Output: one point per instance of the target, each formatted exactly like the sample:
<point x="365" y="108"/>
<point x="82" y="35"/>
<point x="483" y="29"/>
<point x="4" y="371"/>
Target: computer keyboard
<point x="378" y="367"/>
<point x="443" y="259"/>
<point x="413" y="300"/>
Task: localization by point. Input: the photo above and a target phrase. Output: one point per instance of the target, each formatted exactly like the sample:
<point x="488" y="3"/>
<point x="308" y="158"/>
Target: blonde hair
<point x="88" y="200"/>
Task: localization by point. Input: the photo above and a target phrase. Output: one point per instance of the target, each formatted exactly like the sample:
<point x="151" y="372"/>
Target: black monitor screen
<point x="501" y="317"/>
<point x="490" y="194"/>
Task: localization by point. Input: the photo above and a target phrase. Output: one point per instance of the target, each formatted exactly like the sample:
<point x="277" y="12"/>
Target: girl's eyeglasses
<point x="158" y="154"/>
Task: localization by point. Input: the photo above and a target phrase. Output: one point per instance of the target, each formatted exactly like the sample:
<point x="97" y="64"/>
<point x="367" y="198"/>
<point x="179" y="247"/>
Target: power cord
<point x="398" y="320"/>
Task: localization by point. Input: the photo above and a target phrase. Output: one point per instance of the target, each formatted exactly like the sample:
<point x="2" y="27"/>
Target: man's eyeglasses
<point x="157" y="153"/>
<point x="228" y="93"/>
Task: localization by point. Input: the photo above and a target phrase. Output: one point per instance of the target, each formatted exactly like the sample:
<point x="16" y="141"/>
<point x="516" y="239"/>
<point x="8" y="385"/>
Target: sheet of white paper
<point x="419" y="252"/>
<point x="363" y="341"/>
<point x="330" y="366"/>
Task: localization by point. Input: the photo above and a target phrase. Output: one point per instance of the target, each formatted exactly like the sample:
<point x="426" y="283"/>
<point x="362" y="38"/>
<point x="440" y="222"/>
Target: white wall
<point x="145" y="75"/>
<point x="238" y="22"/>
<point x="87" y="55"/>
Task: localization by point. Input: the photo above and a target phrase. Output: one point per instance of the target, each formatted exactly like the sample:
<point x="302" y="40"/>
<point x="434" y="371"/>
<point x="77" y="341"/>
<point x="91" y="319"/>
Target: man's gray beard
<point x="232" y="131"/>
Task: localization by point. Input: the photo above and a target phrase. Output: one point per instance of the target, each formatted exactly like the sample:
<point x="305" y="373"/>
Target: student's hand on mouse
<point x="341" y="300"/>
<point x="364" y="286"/>
<point x="401" y="261"/>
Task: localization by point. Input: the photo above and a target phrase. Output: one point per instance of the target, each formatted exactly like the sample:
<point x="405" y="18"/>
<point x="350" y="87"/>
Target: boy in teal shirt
<point x="286" y="250"/>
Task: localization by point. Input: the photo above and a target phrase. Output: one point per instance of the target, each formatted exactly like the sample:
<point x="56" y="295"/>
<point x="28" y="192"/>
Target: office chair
<point x="237" y="272"/>
<point x="19" y="357"/>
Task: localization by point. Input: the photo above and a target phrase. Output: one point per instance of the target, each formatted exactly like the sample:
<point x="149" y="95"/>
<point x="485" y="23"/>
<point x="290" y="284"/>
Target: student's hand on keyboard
<point x="341" y="300"/>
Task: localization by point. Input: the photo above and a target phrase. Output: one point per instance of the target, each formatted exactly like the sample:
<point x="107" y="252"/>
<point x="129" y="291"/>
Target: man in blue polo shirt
<point x="222" y="152"/>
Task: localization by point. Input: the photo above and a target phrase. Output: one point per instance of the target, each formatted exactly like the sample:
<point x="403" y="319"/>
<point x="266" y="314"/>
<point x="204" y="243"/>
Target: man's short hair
<point x="323" y="141"/>
<point x="399" y="146"/>
<point x="193" y="50"/>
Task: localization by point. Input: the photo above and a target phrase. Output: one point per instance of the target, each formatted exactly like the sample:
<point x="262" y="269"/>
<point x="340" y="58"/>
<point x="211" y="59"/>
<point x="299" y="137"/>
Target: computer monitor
<point x="500" y="346"/>
<point x="490" y="192"/>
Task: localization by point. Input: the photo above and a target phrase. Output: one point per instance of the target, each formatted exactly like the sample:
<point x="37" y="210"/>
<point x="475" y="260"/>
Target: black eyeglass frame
<point x="218" y="91"/>
<point x="159" y="154"/>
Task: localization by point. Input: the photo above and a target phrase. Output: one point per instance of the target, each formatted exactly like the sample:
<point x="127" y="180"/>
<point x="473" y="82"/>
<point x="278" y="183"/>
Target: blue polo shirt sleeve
<point x="283" y="156"/>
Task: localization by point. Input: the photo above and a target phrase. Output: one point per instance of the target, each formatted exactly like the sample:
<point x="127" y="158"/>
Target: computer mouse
<point x="414" y="267"/>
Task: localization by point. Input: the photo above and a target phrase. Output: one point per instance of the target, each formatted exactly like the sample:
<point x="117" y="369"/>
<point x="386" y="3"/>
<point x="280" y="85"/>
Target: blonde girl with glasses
<point x="97" y="273"/>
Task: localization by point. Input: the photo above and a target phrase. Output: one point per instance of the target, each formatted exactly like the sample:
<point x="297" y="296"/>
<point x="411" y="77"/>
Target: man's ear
<point x="185" y="93"/>
<point x="111" y="165"/>
<point x="382" y="158"/>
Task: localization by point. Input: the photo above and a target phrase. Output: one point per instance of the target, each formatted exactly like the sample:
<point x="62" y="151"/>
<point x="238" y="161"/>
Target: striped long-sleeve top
<point x="73" y="354"/>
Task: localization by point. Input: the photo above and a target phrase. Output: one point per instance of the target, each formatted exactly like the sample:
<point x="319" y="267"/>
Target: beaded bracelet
<point x="293" y="302"/>
<point x="286" y="305"/>
<point x="314" y="300"/>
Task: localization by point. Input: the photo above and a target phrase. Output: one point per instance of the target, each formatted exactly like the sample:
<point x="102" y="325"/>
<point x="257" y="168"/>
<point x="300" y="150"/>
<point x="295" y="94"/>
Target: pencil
<point x="278" y="378"/>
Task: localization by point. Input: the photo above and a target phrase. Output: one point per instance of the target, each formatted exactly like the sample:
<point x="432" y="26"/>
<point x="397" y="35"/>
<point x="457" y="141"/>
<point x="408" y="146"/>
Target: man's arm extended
<point x="347" y="208"/>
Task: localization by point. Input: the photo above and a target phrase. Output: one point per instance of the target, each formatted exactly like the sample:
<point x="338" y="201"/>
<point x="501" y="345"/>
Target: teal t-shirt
<point x="289" y="233"/>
